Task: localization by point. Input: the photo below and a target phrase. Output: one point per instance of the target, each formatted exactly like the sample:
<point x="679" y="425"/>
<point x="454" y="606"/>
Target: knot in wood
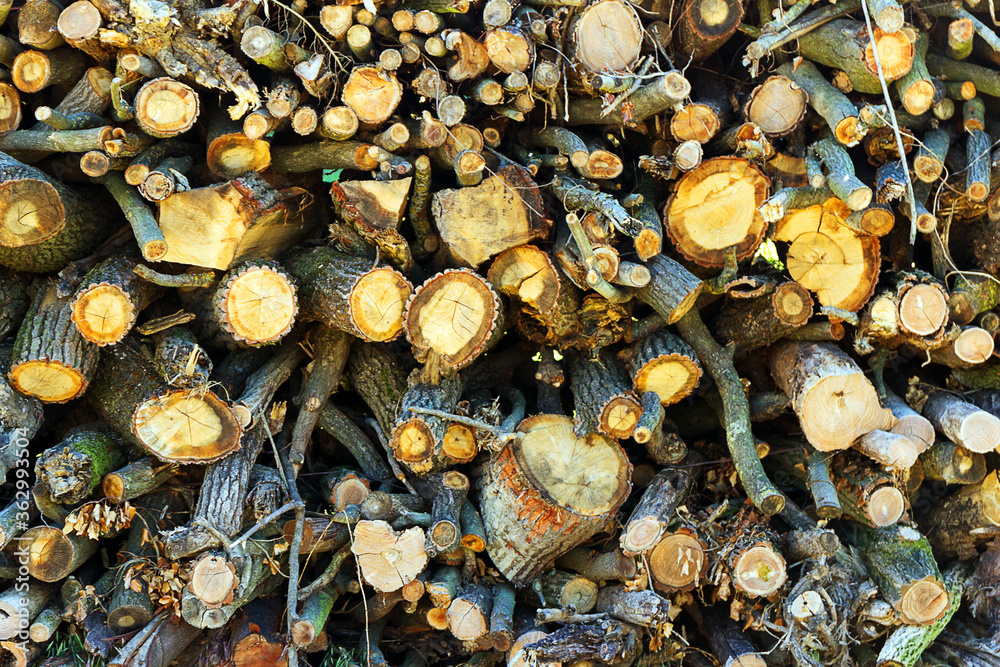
<point x="391" y="556"/>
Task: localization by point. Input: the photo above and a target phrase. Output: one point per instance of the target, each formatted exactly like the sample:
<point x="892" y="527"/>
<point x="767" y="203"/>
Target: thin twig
<point x="260" y="524"/>
<point x="895" y="127"/>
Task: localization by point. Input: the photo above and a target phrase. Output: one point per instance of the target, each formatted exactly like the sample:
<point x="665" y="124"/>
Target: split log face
<point x="453" y="314"/>
<point x="833" y="399"/>
<point x="479" y="222"/>
<point x="548" y="493"/>
<point x="218" y="226"/>
<point x="388" y="560"/>
<point x="372" y="94"/>
<point x="608" y="36"/>
<point x="666" y="365"/>
<point x="715" y="208"/>
<point x="528" y="273"/>
<point x="828" y="257"/>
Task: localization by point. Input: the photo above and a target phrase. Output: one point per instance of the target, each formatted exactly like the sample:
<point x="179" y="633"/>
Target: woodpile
<point x="540" y="332"/>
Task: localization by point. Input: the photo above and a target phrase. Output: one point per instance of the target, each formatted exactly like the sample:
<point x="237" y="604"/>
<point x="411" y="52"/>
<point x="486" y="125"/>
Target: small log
<point x="372" y="94"/>
<point x="962" y="423"/>
<point x="845" y="44"/>
<point x="50" y="360"/>
<point x="894" y="451"/>
<point x="729" y="645"/>
<point x="655" y="511"/>
<point x="137" y="478"/>
<point x="955" y="525"/>
<point x="777" y="106"/>
<point x="953" y="464"/>
<point x="603" y="398"/>
<point x="560" y="589"/>
<point x="58" y="225"/>
<point x="516" y="487"/>
<point x="174" y="425"/>
<point x="672" y="289"/>
<point x="664" y="364"/>
<point x="909" y="422"/>
<point x="678" y="561"/>
<point x="421" y="442"/>
<point x="751" y="324"/>
<point x="972" y="346"/>
<point x="834" y="401"/>
<point x="109" y="300"/>
<point x="34" y="71"/>
<point x="840" y="114"/>
<point x="73" y="469"/>
<point x="900" y="561"/>
<point x="469" y="613"/>
<point x="165" y="107"/>
<point x="445" y="533"/>
<point x="22" y="604"/>
<point x="349" y="294"/>
<point x="53" y="555"/>
<point x="502" y="617"/>
<point x="36" y="25"/>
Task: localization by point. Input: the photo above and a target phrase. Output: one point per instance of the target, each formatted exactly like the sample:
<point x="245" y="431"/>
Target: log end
<point x="48" y="381"/>
<point x="187" y="426"/>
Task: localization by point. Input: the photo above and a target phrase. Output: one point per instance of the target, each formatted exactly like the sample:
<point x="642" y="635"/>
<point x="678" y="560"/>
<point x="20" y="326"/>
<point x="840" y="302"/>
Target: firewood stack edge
<point x="499" y="332"/>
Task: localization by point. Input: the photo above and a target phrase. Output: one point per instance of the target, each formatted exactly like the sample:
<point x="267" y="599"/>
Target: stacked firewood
<point x="475" y="332"/>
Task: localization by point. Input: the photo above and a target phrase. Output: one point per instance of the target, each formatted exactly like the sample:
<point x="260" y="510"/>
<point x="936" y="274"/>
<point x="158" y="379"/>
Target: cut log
<point x="953" y="464"/>
<point x="833" y="399"/>
<point x="828" y="257"/>
<point x="705" y="25"/>
<point x="181" y="426"/>
<point x="678" y="561"/>
<point x="374" y="209"/>
<point x="838" y="111"/>
<point x="751" y="324"/>
<point x="955" y="525"/>
<point x="73" y="469"/>
<point x="349" y="294"/>
<point x="715" y="209"/>
<point x="664" y="364"/>
<point x="607" y="36"/>
<point x="372" y="94"/>
<point x="51" y="361"/>
<point x="165" y="107"/>
<point x="109" y="300"/>
<point x="972" y="346"/>
<point x="52" y="555"/>
<point x="963" y="423"/>
<point x="900" y="562"/>
<point x="846" y="45"/>
<point x="655" y="511"/>
<point x="388" y="560"/>
<point x="469" y="613"/>
<point x="44" y="224"/>
<point x="909" y="422"/>
<point x="894" y="451"/>
<point x="454" y="315"/>
<point x="777" y="106"/>
<point x="548" y="493"/>
<point x="137" y="478"/>
<point x="603" y="398"/>
<point x="672" y="289"/>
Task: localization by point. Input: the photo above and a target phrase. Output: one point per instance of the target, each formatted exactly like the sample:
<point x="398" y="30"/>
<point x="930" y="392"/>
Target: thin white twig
<point x="894" y="124"/>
